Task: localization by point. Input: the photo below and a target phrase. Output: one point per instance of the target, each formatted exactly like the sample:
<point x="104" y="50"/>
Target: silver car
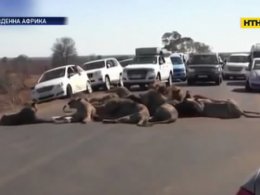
<point x="252" y="186"/>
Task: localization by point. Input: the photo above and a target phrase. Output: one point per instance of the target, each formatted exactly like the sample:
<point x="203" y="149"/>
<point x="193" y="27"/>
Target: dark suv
<point x="204" y="67"/>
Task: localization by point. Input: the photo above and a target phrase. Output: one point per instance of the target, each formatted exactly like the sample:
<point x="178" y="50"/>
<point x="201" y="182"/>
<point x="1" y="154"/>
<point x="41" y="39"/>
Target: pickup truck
<point x="149" y="64"/>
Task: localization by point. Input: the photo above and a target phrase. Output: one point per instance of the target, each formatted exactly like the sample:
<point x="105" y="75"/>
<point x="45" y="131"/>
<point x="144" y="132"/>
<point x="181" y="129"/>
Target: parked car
<point x="254" y="53"/>
<point x="58" y="82"/>
<point x="104" y="73"/>
<point x="149" y="64"/>
<point x="251" y="186"/>
<point x="253" y="79"/>
<point x="236" y="66"/>
<point x="179" y="67"/>
<point x="204" y="67"/>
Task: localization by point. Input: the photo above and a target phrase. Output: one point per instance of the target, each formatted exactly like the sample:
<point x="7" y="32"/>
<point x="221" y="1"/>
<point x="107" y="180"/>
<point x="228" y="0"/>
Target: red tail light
<point x="244" y="192"/>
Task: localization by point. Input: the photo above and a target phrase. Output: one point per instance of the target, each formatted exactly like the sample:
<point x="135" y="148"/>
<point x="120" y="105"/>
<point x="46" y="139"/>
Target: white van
<point x="179" y="67"/>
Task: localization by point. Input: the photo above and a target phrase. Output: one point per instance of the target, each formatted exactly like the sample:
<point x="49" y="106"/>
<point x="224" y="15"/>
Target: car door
<point x="116" y="70"/>
<point x="80" y="77"/>
<point x="73" y="80"/>
<point x="163" y="67"/>
<point x="110" y="70"/>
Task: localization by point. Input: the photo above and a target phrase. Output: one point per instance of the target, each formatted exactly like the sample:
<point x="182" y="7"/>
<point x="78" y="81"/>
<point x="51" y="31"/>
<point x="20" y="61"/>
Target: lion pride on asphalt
<point x="160" y="104"/>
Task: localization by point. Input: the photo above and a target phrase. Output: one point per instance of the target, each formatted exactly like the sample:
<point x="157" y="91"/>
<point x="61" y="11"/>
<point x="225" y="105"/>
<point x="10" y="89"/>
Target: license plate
<point x="202" y="76"/>
<point x="136" y="76"/>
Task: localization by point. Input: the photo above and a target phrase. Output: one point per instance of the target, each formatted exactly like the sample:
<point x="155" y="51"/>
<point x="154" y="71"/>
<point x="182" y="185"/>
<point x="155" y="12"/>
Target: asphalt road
<point x="191" y="156"/>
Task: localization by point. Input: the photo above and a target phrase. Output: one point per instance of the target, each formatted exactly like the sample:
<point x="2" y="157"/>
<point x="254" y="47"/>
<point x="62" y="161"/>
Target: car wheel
<point x="69" y="92"/>
<point x="107" y="83"/>
<point x="190" y="82"/>
<point x="225" y="77"/>
<point x="218" y="81"/>
<point x="158" y="78"/>
<point x="248" y="88"/>
<point x="121" y="83"/>
<point x="169" y="82"/>
<point x="89" y="88"/>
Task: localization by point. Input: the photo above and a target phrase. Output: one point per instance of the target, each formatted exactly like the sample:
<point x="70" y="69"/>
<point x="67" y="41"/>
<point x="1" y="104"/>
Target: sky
<point x="107" y="27"/>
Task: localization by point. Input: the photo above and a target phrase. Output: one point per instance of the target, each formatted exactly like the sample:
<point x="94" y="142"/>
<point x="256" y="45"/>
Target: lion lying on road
<point x="84" y="113"/>
<point x="26" y="115"/>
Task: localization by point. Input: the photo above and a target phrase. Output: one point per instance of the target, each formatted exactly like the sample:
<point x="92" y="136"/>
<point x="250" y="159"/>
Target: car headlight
<point x="59" y="85"/>
<point x="97" y="73"/>
<point x="151" y="72"/>
<point x="253" y="75"/>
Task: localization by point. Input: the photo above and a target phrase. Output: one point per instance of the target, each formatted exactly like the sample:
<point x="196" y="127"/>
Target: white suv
<point x="236" y="66"/>
<point x="149" y="64"/>
<point x="61" y="82"/>
<point x="104" y="73"/>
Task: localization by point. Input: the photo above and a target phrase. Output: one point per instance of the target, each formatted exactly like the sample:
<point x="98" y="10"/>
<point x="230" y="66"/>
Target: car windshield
<point x="240" y="59"/>
<point x="256" y="54"/>
<point x="94" y="65"/>
<point x="145" y="60"/>
<point x="176" y="60"/>
<point x="257" y="65"/>
<point x="203" y="59"/>
<point x="53" y="74"/>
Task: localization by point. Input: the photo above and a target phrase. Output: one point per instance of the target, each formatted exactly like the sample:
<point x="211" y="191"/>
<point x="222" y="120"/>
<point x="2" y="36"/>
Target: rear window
<point x="203" y="59"/>
<point x="94" y="65"/>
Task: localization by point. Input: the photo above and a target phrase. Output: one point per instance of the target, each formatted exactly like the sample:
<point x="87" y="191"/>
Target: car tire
<point x="89" y="88"/>
<point x="225" y="77"/>
<point x="190" y="81"/>
<point x="107" y="83"/>
<point x="158" y="78"/>
<point x="218" y="81"/>
<point x="247" y="87"/>
<point x="121" y="83"/>
<point x="69" y="92"/>
<point x="169" y="82"/>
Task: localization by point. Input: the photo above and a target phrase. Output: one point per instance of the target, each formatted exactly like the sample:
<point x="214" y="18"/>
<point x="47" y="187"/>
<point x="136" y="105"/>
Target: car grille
<point x="137" y="74"/>
<point x="44" y="89"/>
<point x="235" y="68"/>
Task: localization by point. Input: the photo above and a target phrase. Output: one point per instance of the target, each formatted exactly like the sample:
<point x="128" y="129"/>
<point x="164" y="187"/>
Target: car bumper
<point x="179" y="76"/>
<point x="208" y="76"/>
<point x="254" y="84"/>
<point x="136" y="82"/>
<point x="49" y="95"/>
<point x="235" y="73"/>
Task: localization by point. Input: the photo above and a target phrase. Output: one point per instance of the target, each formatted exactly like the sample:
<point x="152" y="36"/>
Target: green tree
<point x="175" y="42"/>
<point x="64" y="52"/>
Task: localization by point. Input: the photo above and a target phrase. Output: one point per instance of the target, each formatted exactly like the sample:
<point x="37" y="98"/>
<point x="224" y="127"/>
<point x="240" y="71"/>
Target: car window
<point x="54" y="74"/>
<point x="71" y="71"/>
<point x="176" y="60"/>
<point x="110" y="63"/>
<point x="203" y="59"/>
<point x="94" y="65"/>
<point x="241" y="59"/>
<point x="145" y="60"/>
<point x="256" y="65"/>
